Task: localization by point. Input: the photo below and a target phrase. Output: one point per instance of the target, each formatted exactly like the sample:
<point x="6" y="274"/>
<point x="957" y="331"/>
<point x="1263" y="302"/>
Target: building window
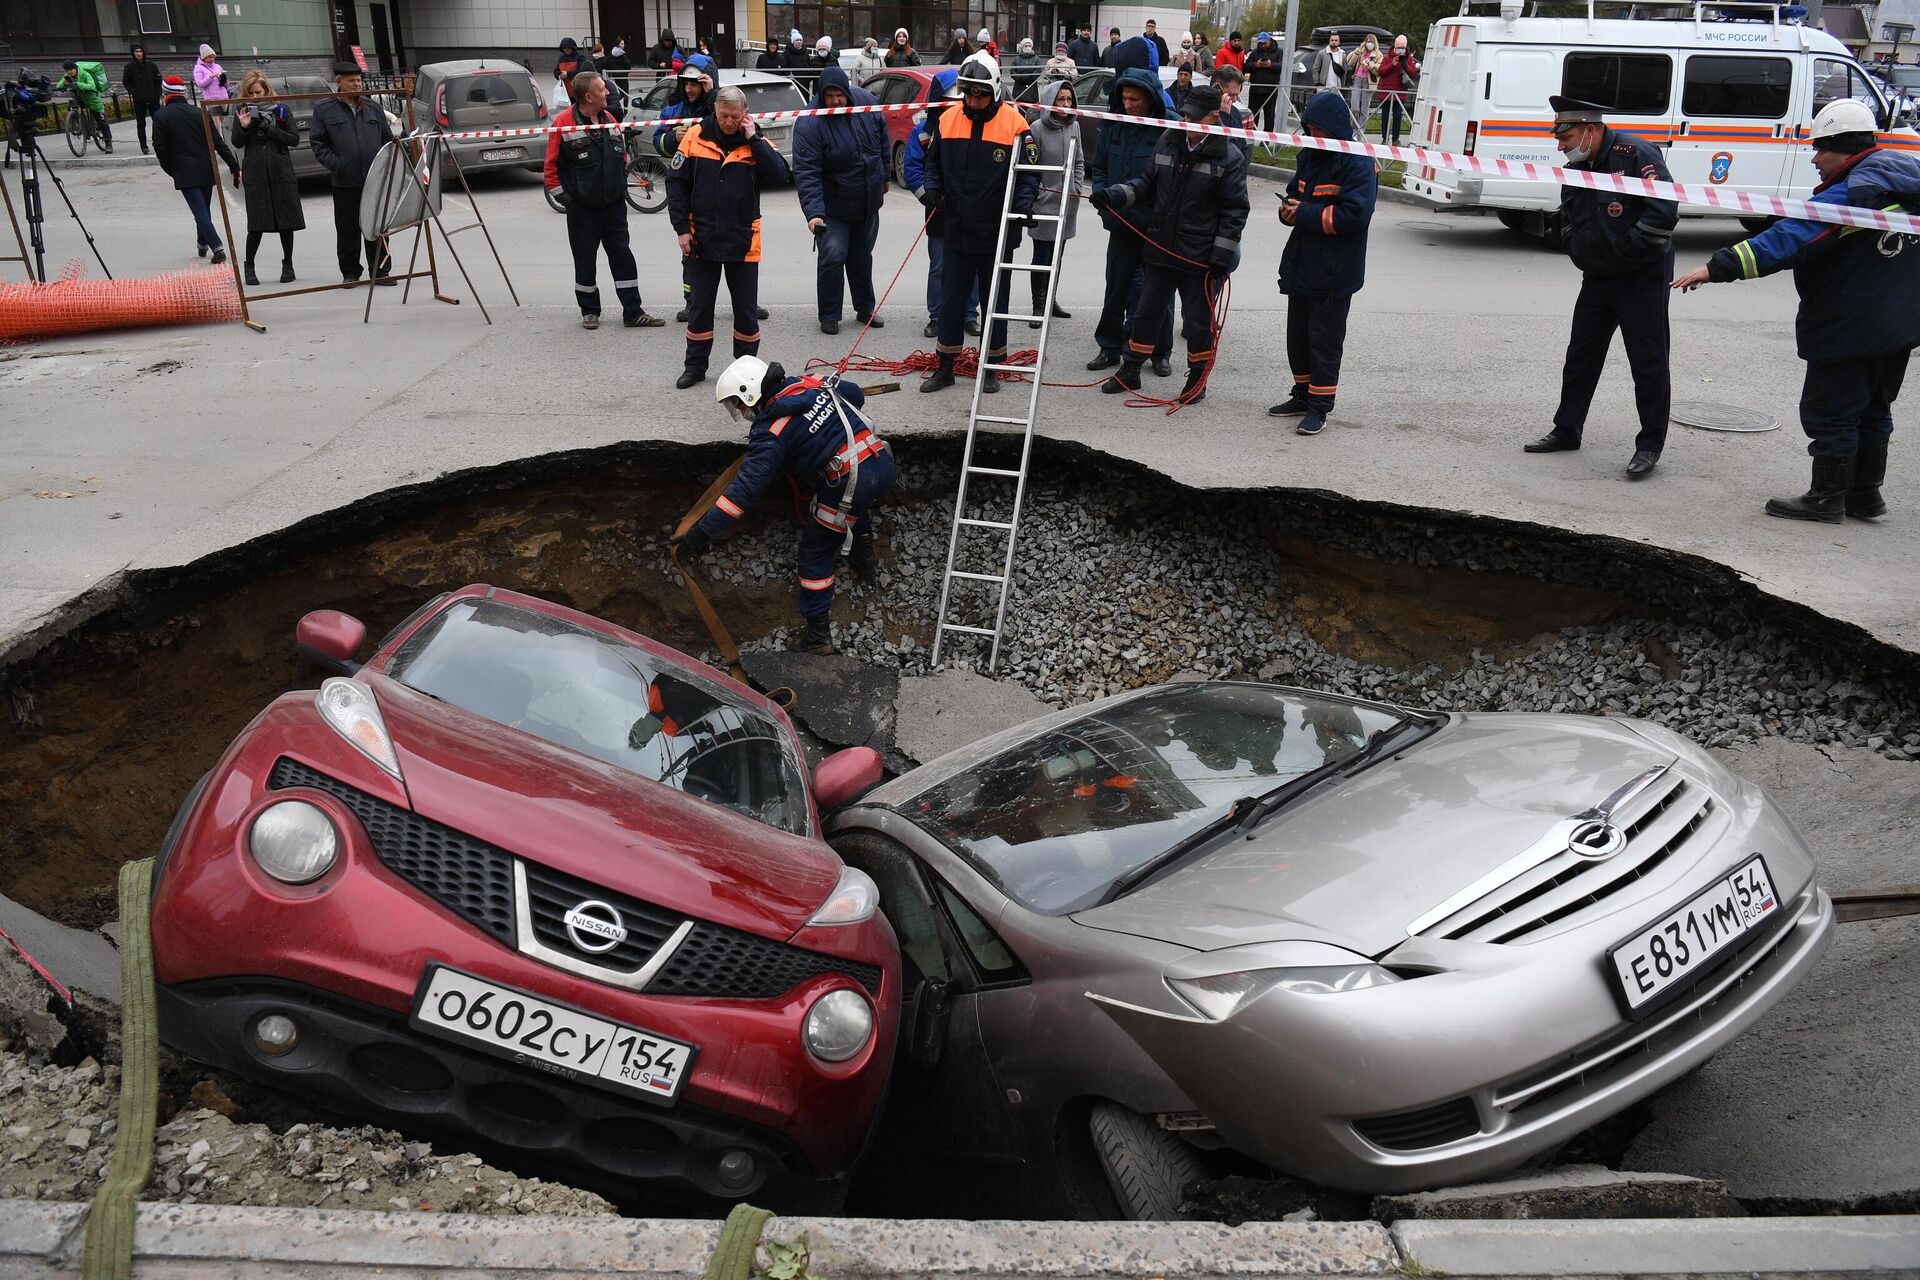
<point x="154" y="17"/>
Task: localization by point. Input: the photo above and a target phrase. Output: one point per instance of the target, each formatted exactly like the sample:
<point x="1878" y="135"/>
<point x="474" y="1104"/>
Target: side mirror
<point x="330" y="639"/>
<point x="845" y="776"/>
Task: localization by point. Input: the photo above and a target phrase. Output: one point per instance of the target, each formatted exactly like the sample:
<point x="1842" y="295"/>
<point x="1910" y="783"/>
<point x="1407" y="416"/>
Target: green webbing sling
<point x="109" y="1248"/>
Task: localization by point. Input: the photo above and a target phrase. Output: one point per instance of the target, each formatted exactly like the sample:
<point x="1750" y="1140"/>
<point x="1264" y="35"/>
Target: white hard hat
<point x="744" y="380"/>
<point x="1844" y="116"/>
<point x="980" y="70"/>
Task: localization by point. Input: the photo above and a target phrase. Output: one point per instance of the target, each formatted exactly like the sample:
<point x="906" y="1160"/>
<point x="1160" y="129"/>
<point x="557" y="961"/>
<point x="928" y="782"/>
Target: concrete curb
<point x="209" y="1242"/>
<point x="1393" y="195"/>
<point x="125" y="155"/>
<point x="1652" y="1246"/>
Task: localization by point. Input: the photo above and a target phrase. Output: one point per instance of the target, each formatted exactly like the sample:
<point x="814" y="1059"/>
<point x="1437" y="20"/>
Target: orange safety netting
<point x="73" y="305"/>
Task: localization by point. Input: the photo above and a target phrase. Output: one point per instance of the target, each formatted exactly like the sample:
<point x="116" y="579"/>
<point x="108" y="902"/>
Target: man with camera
<point x="348" y="132"/>
<point x="588" y="168"/>
<point x="180" y="144"/>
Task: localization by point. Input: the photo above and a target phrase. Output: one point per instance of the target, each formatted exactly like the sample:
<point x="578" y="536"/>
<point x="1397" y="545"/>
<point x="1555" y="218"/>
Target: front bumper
<point x="368" y="1061"/>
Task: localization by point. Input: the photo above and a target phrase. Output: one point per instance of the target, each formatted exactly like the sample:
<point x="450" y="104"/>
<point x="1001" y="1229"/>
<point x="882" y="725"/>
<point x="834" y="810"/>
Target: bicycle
<point x="85" y="125"/>
<point x="646" y="184"/>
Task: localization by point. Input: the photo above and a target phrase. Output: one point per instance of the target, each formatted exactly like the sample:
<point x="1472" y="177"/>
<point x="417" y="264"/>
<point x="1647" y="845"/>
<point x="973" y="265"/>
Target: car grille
<point x="1568" y="884"/>
<point x="474" y="880"/>
<point x="469" y="877"/>
<point x="1418" y="1130"/>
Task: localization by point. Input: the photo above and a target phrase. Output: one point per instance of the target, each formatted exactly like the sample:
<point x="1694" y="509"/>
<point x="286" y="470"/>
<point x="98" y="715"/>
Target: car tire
<point x="1757" y="225"/>
<point x="1148" y="1168"/>
<point x="1512" y="219"/>
<point x="900" y="164"/>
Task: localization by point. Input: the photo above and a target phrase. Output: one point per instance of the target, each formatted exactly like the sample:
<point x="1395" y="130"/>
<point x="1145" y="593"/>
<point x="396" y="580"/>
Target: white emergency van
<point x="1727" y="90"/>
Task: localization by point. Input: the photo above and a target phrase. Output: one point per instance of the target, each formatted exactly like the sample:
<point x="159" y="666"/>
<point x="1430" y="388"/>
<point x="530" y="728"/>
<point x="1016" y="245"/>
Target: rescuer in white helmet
<point x="813" y="430"/>
<point x="1858" y="322"/>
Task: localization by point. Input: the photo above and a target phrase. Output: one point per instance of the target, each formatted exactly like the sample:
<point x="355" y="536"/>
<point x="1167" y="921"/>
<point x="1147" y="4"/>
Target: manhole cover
<point x="1709" y="416"/>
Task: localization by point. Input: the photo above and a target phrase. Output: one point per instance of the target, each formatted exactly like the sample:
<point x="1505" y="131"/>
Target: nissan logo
<point x="595" y="927"/>
<point x="1596" y="840"/>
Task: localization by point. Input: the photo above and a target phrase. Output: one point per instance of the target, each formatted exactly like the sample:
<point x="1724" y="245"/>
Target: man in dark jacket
<point x="813" y="430"/>
<point x="570" y="63"/>
<point x="588" y="167"/>
<point x="1152" y="36"/>
<point x="1623" y="245"/>
<point x="941" y="97"/>
<point x="1263" y="67"/>
<point x="713" y="200"/>
<point x="968" y="166"/>
<point x="1122" y="154"/>
<point x="1112" y="51"/>
<point x="770" y="60"/>
<point x="142" y="79"/>
<point x="180" y="143"/>
<point x="1084" y="52"/>
<point x="348" y="132"/>
<point x="840" y="171"/>
<point x="1857" y="325"/>
<point x="1197" y="190"/>
<point x="663" y="53"/>
<point x="1329" y="205"/>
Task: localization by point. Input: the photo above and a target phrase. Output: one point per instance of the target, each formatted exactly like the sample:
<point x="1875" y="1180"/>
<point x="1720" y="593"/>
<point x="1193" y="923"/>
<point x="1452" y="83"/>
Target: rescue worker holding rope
<point x="968" y="165"/>
<point x="814" y="431"/>
<point x="1196" y="187"/>
<point x="713" y="199"/>
<point x="588" y="168"/>
<point x="1858" y="324"/>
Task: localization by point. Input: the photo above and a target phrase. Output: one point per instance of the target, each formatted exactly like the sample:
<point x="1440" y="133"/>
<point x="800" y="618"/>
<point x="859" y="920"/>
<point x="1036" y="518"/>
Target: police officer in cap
<point x="1623" y="245"/>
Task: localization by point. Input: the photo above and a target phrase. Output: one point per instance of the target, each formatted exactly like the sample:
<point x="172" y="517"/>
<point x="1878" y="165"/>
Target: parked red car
<point x="528" y="878"/>
<point x="899" y="84"/>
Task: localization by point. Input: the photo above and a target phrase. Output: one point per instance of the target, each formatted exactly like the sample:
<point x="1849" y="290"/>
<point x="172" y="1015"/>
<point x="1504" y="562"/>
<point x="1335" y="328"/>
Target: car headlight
<point x="294" y="842"/>
<point x="838" y="1026"/>
<point x="349" y="707"/>
<point x="1220" y="996"/>
<point x="853" y="900"/>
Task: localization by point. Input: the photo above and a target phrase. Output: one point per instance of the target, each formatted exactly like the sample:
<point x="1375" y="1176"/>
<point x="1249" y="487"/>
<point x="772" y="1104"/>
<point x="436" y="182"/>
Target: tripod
<point x="23" y="152"/>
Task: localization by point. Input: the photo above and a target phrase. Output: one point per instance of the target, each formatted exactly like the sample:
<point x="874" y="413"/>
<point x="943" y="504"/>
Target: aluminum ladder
<point x="969" y="469"/>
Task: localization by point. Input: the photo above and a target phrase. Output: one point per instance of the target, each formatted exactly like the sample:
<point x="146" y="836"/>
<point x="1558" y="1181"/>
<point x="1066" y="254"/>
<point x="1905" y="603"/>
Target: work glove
<point x="694" y="542"/>
<point x="559" y="196"/>
<point x="1102" y="198"/>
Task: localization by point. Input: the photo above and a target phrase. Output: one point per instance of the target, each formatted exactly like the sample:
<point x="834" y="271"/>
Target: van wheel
<point x="1512" y="220"/>
<point x="1148" y="1168"/>
<point x="1757" y="225"/>
<point x="1553" y="233"/>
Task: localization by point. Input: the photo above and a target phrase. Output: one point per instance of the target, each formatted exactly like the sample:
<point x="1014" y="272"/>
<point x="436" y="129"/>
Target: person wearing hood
<point x="713" y="200"/>
<point x="840" y="173"/>
<point x="1026" y="66"/>
<point x="900" y="53"/>
<point x="1263" y="67"/>
<point x="1061" y="65"/>
<point x="569" y="64"/>
<point x="1399" y="73"/>
<point x="1623" y="245"/>
<point x="1084" y="52"/>
<point x="180" y="144"/>
<point x="1329" y="204"/>
<point x="1196" y="188"/>
<point x="1054" y="127"/>
<point x="770" y="59"/>
<point x="1123" y="153"/>
<point x="1857" y="325"/>
<point x="209" y="77"/>
<point x="969" y="168"/>
<point x="142" y="79"/>
<point x="959" y="50"/>
<point x="941" y="96"/>
<point x="870" y="61"/>
<point x="662" y="53"/>
<point x="1138" y="53"/>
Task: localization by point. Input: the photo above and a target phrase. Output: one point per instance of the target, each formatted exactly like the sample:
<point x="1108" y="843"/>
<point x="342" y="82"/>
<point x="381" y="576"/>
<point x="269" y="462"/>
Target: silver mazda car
<point x="1373" y="948"/>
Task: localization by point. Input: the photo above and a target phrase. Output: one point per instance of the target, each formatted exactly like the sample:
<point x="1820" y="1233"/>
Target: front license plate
<point x="503" y="153"/>
<point x="550" y="1037"/>
<point x="1669" y="952"/>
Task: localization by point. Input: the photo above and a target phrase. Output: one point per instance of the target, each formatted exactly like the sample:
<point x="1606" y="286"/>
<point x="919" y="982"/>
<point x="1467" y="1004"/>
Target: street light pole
<point x="1286" y="64"/>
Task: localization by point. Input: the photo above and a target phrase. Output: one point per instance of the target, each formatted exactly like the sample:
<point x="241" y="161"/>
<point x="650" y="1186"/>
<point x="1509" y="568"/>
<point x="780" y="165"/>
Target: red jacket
<point x="1228" y="56"/>
<point x="1396" y="73"/>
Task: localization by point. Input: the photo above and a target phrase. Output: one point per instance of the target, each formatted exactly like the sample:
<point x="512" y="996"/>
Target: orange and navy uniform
<point x="713" y="191"/>
<point x="966" y="171"/>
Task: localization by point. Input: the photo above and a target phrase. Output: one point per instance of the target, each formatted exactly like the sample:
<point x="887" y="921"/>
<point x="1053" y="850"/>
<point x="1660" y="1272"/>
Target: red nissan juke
<point x="531" y="878"/>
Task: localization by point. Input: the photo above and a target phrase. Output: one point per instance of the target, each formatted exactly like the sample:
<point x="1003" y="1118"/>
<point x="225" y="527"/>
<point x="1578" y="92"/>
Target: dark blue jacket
<point x="1138" y="54"/>
<point x="1125" y="150"/>
<point x="1610" y="233"/>
<point x="914" y="162"/>
<point x="1327" y="253"/>
<point x="796" y="431"/>
<point x="1857" y="286"/>
<point x="346" y="140"/>
<point x="665" y="138"/>
<point x="840" y="162"/>
<point x="969" y="163"/>
<point x="1195" y="201"/>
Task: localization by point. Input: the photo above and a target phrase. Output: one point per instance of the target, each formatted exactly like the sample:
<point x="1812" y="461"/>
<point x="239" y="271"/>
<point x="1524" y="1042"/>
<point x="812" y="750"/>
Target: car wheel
<point x="900" y="164"/>
<point x="1148" y="1168"/>
<point x="1757" y="225"/>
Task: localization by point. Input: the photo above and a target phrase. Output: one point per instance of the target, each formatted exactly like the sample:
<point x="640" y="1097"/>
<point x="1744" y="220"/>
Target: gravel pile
<point x="56" y="1136"/>
<point x="1107" y="599"/>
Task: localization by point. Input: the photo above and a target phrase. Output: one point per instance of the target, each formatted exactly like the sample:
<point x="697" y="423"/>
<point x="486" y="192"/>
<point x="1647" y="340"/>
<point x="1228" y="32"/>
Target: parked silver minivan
<point x="483" y="93"/>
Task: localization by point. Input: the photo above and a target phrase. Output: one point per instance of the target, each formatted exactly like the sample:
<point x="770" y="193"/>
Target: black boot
<point x="1060" y="312"/>
<point x="942" y="378"/>
<point x="1039" y="301"/>
<point x="1128" y="379"/>
<point x="248" y="275"/>
<point x="989" y="383"/>
<point x="286" y="271"/>
<point x="1826" y="497"/>
<point x="863" y="559"/>
<point x="1193" y="392"/>
<point x="1869" y="471"/>
<point x="815" y="637"/>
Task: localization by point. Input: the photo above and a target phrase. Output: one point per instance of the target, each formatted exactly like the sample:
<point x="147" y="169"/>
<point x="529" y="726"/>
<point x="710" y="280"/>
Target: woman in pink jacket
<point x="208" y="76"/>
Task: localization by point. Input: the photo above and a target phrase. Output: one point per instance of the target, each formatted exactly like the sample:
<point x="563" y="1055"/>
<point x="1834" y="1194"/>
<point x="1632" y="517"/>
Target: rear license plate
<point x="551" y="1037"/>
<point x="1669" y="952"/>
<point x="503" y="153"/>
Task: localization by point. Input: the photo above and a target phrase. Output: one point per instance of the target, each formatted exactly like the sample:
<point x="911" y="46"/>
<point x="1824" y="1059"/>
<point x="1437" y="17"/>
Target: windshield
<point x="1059" y="818"/>
<point x="617" y="703"/>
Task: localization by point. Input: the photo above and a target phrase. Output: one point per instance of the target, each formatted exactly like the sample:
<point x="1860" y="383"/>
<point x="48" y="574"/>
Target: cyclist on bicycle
<point x="87" y="81"/>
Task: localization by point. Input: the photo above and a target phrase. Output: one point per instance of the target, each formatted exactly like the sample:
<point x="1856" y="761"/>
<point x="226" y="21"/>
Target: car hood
<point x="600" y="823"/>
<point x="1356" y="863"/>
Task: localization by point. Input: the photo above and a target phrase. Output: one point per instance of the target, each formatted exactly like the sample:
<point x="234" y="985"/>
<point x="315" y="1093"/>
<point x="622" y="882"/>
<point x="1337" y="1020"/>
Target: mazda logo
<point x="1596" y="840"/>
<point x="595" y="927"/>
